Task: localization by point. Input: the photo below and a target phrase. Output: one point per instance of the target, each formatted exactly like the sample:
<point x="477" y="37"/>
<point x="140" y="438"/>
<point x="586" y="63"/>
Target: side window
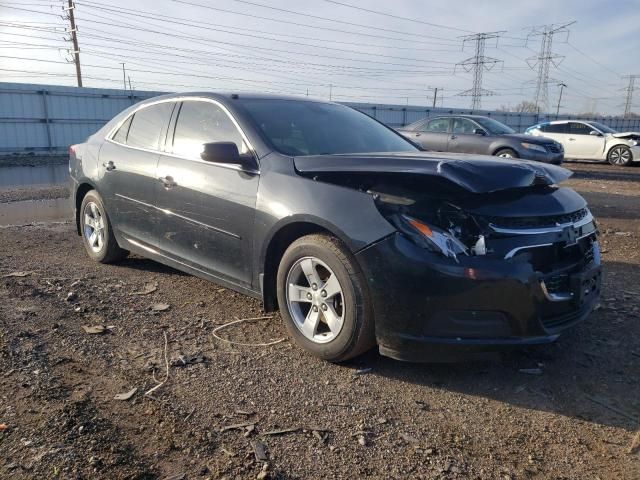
<point x="440" y="125"/>
<point x="556" y="128"/>
<point x="203" y="122"/>
<point x="576" y="128"/>
<point x="121" y="135"/>
<point x="463" y="126"/>
<point x="148" y="124"/>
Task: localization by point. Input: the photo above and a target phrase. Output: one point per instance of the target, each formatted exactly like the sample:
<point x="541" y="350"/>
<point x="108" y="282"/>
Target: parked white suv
<point x="591" y="140"/>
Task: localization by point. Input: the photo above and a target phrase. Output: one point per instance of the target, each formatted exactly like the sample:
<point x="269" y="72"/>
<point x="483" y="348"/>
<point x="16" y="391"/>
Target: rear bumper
<point x="428" y="307"/>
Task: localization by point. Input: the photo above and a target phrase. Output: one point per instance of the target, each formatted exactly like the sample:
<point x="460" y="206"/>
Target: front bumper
<point x="549" y="157"/>
<point x="428" y="307"/>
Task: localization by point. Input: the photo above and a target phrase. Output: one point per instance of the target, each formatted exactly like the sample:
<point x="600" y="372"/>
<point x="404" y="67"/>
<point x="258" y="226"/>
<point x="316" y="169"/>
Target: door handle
<point x="572" y="139"/>
<point x="418" y="134"/>
<point x="167" y="181"/>
<point x="453" y="137"/>
<point x="109" y="166"/>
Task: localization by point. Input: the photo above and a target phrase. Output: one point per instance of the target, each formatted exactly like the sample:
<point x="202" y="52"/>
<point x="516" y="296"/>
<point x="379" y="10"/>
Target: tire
<point x="506" y="153"/>
<point x="620" y="156"/>
<point x="102" y="247"/>
<point x="344" y="326"/>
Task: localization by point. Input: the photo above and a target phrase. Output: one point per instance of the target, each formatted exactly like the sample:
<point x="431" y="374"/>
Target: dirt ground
<point x="234" y="411"/>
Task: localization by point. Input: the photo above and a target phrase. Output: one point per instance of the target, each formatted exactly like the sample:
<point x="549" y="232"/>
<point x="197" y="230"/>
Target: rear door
<point x="463" y="138"/>
<point x="207" y="210"/>
<point x="558" y="132"/>
<point x="128" y="162"/>
<point x="582" y="144"/>
<point x="433" y="134"/>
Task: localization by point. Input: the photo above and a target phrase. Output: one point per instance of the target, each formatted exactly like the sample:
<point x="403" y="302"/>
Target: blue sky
<point x="326" y="47"/>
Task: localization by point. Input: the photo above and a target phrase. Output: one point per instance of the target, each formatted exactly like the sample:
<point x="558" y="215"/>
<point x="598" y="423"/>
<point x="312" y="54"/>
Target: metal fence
<point x="49" y="118"/>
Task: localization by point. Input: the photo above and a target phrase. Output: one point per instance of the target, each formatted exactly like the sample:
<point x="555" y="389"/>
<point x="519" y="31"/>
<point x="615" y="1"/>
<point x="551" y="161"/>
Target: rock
<point x="160" y="307"/>
<point x="260" y="451"/>
<point x="71" y="296"/>
<point x="264" y="473"/>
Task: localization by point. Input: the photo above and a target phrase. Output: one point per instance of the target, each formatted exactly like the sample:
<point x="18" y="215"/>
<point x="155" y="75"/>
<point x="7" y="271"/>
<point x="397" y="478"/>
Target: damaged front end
<point x="473" y="269"/>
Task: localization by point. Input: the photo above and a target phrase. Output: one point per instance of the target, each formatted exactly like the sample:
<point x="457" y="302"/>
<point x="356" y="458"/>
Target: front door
<point x="207" y="210"/>
<point x="128" y="162"/>
<point x="582" y="143"/>
<point x="463" y="138"/>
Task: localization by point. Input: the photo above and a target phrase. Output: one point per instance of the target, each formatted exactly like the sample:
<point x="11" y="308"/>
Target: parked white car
<point x="591" y="140"/>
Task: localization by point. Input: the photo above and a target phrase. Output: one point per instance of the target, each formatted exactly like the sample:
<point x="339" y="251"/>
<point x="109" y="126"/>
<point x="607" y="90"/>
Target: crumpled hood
<point x="629" y="135"/>
<point x="475" y="173"/>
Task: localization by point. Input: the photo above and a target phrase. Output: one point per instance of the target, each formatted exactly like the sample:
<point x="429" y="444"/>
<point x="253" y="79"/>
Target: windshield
<point x="299" y="128"/>
<point x="602" y="128"/>
<point x="493" y="126"/>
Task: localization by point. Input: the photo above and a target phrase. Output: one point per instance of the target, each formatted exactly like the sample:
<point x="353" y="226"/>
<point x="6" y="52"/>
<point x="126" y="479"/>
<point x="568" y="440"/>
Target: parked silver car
<point x="480" y="135"/>
<point x="591" y="140"/>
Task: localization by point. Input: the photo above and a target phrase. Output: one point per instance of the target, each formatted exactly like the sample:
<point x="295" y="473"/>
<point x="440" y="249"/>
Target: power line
<point x="397" y="16"/>
<point x="478" y="63"/>
<point x="308" y="25"/>
<point x="544" y="59"/>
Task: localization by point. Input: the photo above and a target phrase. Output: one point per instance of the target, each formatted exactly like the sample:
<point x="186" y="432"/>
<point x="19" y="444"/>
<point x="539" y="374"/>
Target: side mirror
<point x="593" y="132"/>
<point x="479" y="131"/>
<point x="221" y="152"/>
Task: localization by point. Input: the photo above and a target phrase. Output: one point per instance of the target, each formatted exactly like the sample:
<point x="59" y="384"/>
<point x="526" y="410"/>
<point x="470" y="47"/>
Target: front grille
<point x="553" y="147"/>
<point x="538" y="222"/>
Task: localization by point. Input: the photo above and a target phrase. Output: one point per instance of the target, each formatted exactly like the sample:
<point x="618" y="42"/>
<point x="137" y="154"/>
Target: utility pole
<point x="330" y="91"/>
<point x="124" y="77"/>
<point x="562" y="86"/>
<point x="435" y="96"/>
<point x="74" y="39"/>
<point x="478" y="63"/>
<point x="628" y="103"/>
<point x="545" y="59"/>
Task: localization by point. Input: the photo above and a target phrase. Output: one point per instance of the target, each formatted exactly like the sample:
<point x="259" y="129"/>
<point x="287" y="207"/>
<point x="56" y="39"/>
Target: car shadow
<point x="148" y="265"/>
<point x="591" y="373"/>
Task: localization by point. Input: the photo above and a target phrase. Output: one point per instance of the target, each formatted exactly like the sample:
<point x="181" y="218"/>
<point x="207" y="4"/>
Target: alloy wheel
<point x="315" y="299"/>
<point x="620" y="156"/>
<point x="94" y="228"/>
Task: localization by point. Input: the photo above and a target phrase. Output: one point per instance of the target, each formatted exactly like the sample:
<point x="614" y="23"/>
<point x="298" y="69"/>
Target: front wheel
<point x="506" y="153"/>
<point x="324" y="300"/>
<point x="97" y="234"/>
<point x="620" y="155"/>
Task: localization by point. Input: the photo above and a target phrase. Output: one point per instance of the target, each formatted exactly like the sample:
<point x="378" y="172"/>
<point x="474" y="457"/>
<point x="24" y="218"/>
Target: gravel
<point x="568" y="410"/>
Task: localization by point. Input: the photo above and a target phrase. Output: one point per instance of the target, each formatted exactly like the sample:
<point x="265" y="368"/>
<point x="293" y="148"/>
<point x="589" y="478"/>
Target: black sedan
<point x="280" y="199"/>
<point x="481" y="135"/>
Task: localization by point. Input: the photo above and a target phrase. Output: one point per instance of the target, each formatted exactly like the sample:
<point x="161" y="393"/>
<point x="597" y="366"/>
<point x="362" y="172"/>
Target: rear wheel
<point x="506" y="153"/>
<point x="324" y="300"/>
<point x="97" y="234"/>
<point x="620" y="155"/>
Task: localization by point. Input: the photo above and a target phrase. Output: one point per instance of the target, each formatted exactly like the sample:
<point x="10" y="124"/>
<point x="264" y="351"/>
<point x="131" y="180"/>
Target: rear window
<point x="148" y="125"/>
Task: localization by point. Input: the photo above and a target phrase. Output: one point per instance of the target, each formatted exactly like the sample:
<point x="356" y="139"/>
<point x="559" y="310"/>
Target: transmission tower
<point x="628" y="103"/>
<point x="545" y="58"/>
<point x="478" y="63"/>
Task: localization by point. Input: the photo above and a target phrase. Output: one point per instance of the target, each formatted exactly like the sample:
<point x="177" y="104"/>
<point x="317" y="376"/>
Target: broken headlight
<point x="432" y="237"/>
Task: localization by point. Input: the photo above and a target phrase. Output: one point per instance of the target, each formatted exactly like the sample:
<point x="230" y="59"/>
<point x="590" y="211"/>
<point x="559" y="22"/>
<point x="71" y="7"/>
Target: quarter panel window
<point x="121" y="135"/>
<point x="203" y="122"/>
<point x="436" y="125"/>
<point x="148" y="124"/>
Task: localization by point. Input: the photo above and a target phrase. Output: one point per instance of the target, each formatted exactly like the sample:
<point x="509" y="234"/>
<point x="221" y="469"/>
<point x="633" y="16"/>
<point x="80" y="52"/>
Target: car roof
<point x="232" y="96"/>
